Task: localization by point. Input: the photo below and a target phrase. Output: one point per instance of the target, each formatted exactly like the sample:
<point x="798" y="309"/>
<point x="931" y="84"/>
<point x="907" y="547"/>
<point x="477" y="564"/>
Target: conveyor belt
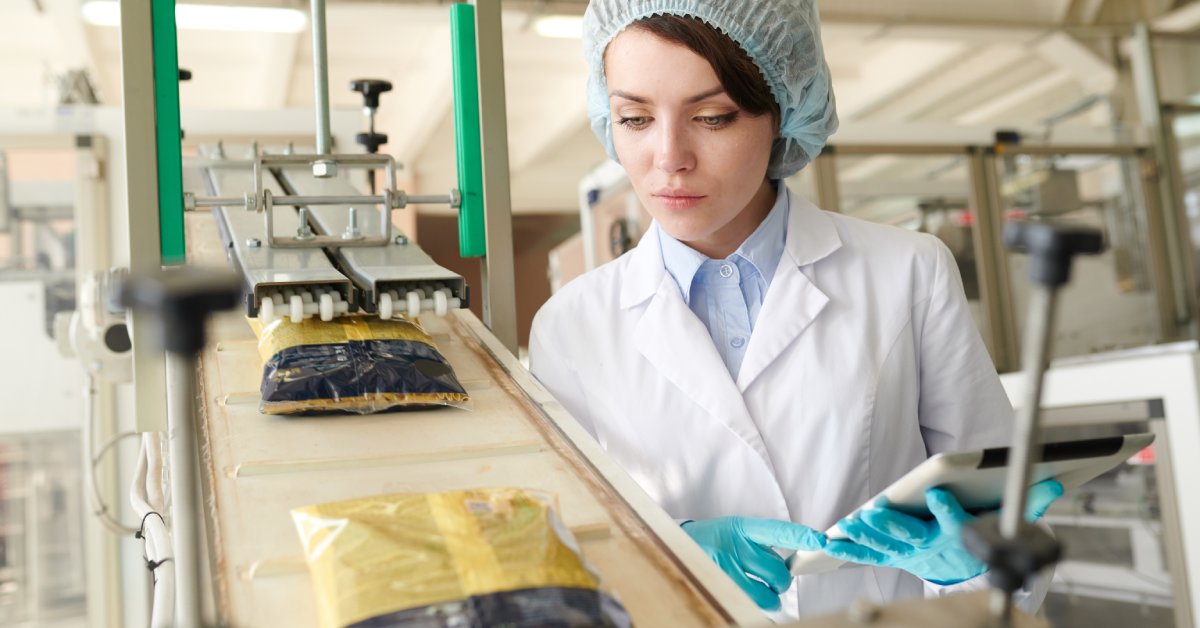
<point x="255" y="468"/>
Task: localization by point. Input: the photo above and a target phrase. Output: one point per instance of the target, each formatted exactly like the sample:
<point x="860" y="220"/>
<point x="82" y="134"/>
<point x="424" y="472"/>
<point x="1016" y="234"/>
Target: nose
<point x="674" y="152"/>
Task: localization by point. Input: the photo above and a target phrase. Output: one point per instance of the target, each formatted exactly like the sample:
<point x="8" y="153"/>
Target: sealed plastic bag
<point x="354" y="364"/>
<point x="485" y="557"/>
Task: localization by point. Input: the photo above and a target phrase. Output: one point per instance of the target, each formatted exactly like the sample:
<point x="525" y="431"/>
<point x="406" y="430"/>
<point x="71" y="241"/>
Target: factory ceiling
<point x="1007" y="63"/>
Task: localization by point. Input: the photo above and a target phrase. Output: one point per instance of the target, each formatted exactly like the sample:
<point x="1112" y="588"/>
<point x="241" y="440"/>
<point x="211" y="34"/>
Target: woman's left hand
<point x="930" y="550"/>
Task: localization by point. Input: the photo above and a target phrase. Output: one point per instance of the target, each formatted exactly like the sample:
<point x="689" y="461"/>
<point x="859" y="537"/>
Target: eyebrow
<point x="690" y="100"/>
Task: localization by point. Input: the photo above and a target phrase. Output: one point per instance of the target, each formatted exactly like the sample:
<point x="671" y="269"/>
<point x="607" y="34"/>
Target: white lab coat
<point x="864" y="361"/>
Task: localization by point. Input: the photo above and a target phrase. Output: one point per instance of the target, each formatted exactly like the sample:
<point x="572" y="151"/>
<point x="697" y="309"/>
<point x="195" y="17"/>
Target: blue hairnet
<point x="782" y="37"/>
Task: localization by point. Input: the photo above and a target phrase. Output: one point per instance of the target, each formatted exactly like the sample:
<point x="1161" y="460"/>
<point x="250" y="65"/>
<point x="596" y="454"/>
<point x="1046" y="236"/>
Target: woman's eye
<point x="637" y="122"/>
<point x="716" y="122"/>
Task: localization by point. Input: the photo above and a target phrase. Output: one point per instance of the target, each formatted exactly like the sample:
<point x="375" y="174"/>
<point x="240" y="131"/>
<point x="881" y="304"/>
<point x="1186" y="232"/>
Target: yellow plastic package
<point x="359" y="364"/>
<point x="484" y="557"/>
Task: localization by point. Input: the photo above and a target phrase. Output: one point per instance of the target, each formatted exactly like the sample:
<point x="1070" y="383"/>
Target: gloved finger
<point x="765" y="565"/>
<point x="898" y="525"/>
<point x="946" y="509"/>
<point x="762" y="595"/>
<point x="869" y="537"/>
<point x="1041" y="495"/>
<point x="782" y="534"/>
<point x="853" y="552"/>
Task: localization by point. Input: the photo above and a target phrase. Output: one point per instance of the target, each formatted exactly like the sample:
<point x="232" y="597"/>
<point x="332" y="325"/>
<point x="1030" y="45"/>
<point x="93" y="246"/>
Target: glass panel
<point x="1187" y="136"/>
<point x="1110" y="302"/>
<point x="42" y="578"/>
<point x="1114" y="572"/>
<point x="41" y="528"/>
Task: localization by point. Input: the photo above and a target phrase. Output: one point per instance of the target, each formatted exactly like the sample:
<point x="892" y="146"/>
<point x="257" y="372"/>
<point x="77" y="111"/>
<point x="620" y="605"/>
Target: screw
<point x="304" y="232"/>
<point x="352" y="232"/>
<point x="402" y="239"/>
<point x="253" y="243"/>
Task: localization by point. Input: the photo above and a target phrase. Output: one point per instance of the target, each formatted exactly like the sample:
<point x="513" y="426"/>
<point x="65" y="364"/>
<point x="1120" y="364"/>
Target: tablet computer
<point x="977" y="479"/>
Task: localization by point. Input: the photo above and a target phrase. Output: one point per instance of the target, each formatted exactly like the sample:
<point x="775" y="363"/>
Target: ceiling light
<point x="559" y="26"/>
<point x="209" y="17"/>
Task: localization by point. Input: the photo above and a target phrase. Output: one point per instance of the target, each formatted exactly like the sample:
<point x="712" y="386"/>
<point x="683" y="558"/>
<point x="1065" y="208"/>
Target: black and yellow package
<point x="473" y="558"/>
<point x="356" y="364"/>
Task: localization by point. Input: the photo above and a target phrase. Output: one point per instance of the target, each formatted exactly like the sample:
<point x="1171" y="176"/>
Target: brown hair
<point x="736" y="71"/>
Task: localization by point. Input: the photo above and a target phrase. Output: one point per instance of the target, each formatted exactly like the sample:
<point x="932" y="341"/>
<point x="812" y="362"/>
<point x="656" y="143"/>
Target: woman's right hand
<point x="741" y="547"/>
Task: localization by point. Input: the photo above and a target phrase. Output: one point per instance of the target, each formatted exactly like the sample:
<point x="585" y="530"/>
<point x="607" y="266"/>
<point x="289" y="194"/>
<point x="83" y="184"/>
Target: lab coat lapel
<point x="793" y="301"/>
<point x="676" y="343"/>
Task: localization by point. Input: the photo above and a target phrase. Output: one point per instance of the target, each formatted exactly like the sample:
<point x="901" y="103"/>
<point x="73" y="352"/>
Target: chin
<point x="684" y="231"/>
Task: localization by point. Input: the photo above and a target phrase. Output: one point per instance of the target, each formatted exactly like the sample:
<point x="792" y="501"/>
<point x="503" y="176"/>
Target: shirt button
<point x="726" y="271"/>
<point x="738" y="342"/>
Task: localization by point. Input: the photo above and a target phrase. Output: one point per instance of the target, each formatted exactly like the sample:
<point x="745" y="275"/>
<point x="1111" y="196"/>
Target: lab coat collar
<point x="792" y="301"/>
<point x="811" y="237"/>
<point x="646" y="270"/>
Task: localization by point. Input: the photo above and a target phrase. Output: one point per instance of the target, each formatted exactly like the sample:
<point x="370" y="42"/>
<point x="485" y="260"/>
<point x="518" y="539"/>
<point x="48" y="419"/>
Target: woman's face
<point x="697" y="162"/>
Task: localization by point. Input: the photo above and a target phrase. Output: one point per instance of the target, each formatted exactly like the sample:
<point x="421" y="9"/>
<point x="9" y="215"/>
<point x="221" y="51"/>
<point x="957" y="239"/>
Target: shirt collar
<point x="762" y="249"/>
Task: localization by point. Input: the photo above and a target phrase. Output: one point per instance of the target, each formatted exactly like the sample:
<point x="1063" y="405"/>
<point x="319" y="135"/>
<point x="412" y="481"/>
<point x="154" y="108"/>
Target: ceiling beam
<point x="1184" y="19"/>
<point x="996" y="108"/>
<point x="1067" y="53"/>
<point x="945" y="82"/>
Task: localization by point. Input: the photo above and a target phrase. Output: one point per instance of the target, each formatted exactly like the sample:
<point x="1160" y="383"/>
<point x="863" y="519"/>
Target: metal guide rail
<point x="399" y="277"/>
<point x="319" y="255"/>
<point x="273" y="275"/>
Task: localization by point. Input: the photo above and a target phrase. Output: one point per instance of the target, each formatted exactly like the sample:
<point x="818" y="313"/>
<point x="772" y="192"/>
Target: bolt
<point x="402" y="239"/>
<point x="324" y="169"/>
<point x="250" y="201"/>
<point x="352" y="232"/>
<point x="253" y="243"/>
<point x="304" y="232"/>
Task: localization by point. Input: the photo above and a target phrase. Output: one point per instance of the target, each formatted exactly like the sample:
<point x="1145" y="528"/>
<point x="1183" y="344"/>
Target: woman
<point x="761" y="367"/>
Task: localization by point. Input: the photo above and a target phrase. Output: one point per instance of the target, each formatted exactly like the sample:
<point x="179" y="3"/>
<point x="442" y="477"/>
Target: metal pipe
<point x="432" y="200"/>
<point x="1023" y="455"/>
<point x="320" y="76"/>
<point x="327" y="200"/>
<point x="185" y="517"/>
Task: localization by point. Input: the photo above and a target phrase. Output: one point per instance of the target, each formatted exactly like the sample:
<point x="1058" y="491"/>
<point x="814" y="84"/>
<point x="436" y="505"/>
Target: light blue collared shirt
<point x="727" y="294"/>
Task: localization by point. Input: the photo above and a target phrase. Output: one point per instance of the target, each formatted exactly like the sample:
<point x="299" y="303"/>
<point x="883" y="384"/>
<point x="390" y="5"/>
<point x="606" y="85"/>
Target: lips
<point x="676" y="198"/>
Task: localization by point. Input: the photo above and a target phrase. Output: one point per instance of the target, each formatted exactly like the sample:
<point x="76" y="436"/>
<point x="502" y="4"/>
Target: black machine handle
<point x="1052" y="248"/>
<point x="181" y="300"/>
<point x="370" y="90"/>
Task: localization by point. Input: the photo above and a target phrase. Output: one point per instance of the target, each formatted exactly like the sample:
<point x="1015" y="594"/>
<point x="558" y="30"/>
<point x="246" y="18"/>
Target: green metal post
<point x="167" y="132"/>
<point x="472" y="236"/>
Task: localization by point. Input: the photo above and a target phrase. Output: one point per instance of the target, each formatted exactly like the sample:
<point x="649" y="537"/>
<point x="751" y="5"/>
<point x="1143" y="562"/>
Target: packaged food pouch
<point x="484" y="557"/>
<point x="358" y="364"/>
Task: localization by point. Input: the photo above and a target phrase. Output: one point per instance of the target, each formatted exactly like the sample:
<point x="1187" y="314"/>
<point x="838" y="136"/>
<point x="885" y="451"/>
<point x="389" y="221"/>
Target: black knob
<point x="371" y="140"/>
<point x="180" y="301"/>
<point x="1052" y="247"/>
<point x="370" y="90"/>
<point x="185" y="74"/>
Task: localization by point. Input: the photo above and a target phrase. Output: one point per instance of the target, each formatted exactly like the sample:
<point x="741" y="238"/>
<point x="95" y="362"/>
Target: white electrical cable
<point x="149" y="501"/>
<point x="91" y="461"/>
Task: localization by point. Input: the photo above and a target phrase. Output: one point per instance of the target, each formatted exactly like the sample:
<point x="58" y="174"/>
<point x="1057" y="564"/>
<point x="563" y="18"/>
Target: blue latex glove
<point x="930" y="550"/>
<point x="741" y="547"/>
